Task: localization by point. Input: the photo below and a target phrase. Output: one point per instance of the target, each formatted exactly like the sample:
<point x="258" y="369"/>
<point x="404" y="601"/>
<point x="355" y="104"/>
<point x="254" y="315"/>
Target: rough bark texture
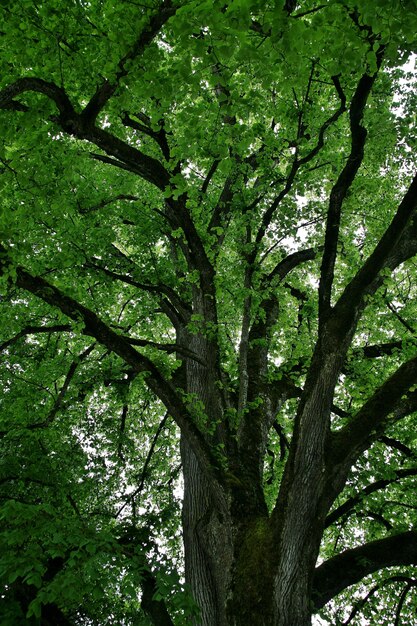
<point x="245" y="565"/>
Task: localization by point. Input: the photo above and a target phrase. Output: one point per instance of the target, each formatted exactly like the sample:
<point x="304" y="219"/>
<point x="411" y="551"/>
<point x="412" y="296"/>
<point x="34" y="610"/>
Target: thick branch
<point x="398" y="243"/>
<point x="260" y="331"/>
<point x="145" y="166"/>
<point x="38" y="85"/>
<point x="196" y="255"/>
<point x="380" y="349"/>
<point x="95" y="327"/>
<point x="155" y="609"/>
<point x="127" y="157"/>
<point x="134" y="542"/>
<point x="351" y="566"/>
<point x="392" y="401"/>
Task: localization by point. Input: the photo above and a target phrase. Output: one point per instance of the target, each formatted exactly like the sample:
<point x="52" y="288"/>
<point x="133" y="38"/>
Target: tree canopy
<point x="208" y="232"/>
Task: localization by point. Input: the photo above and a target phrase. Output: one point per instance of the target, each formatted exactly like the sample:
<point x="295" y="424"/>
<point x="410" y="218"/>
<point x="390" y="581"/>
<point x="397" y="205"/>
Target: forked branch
<point x="392" y="401"/>
<point x="346" y="177"/>
<point x="93" y="326"/>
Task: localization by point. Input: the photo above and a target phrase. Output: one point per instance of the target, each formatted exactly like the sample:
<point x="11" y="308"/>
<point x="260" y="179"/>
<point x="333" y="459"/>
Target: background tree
<point x="208" y="231"/>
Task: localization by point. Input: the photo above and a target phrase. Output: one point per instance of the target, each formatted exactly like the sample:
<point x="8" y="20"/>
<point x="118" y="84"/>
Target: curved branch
<point x="357" y="607"/>
<point x="378" y="485"/>
<point x="158" y="136"/>
<point x="80" y="126"/>
<point x="38" y="85"/>
<point x="401" y="601"/>
<point x="290" y="262"/>
<point x="350" y="566"/>
<point x="34" y="330"/>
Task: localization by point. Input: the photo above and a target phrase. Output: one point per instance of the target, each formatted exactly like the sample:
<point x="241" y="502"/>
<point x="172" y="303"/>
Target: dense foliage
<point x="208" y="228"/>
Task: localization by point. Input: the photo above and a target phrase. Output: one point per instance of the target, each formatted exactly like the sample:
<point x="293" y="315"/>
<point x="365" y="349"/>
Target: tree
<point x="208" y="232"/>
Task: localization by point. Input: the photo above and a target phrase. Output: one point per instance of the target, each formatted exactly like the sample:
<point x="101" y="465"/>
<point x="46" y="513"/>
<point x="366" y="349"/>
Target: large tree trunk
<point x="207" y="534"/>
<point x="246" y="567"/>
<point x="231" y="566"/>
<point x="207" y="526"/>
<point x="227" y="561"/>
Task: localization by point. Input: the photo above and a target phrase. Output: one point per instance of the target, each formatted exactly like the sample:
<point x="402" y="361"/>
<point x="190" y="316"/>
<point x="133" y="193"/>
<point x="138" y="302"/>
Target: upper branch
<point x="136" y="161"/>
<point x="398" y="243"/>
<point x="165" y="347"/>
<point x="298" y="162"/>
<point x="38" y="85"/>
<point x="359" y="604"/>
<point x="342" y="185"/>
<point x="149" y="32"/>
<point x="159" y="136"/>
<point x="380" y="349"/>
<point x="61" y="395"/>
<point x="350" y="566"/>
<point x="121" y="196"/>
<point x="80" y="126"/>
<point x="159" y="289"/>
<point x="290" y="262"/>
<point x="260" y="331"/>
<point x="256" y="423"/>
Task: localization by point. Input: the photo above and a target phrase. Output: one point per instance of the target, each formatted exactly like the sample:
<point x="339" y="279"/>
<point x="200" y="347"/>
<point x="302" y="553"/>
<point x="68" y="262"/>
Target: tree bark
<point x="205" y="515"/>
